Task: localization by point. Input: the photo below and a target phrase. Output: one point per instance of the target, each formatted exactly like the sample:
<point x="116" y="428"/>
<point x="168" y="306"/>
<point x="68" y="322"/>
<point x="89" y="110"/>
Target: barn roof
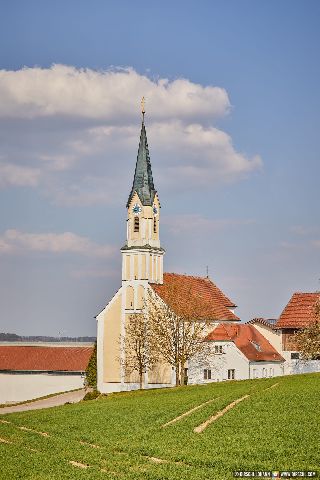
<point x="40" y="358"/>
<point x="299" y="312"/>
<point x="178" y="290"/>
<point x="248" y="340"/>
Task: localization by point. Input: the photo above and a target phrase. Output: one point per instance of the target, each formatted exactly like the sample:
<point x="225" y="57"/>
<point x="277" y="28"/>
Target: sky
<point x="232" y="118"/>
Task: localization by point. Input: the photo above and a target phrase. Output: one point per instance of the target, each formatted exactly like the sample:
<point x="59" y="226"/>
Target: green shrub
<point x="91" y="371"/>
<point x="91" y="395"/>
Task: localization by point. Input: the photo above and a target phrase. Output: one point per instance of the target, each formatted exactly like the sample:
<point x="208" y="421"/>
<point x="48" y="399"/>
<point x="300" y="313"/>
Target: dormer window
<point x="136" y="224"/>
<point x="256" y="345"/>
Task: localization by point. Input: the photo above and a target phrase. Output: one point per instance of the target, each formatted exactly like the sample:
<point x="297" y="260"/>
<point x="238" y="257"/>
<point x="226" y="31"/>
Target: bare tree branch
<point x="138" y="354"/>
<point x="176" y="338"/>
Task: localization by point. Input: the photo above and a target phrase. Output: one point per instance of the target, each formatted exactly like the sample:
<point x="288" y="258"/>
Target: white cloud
<point x="15" y="175"/>
<point x="109" y="95"/>
<point x="14" y="241"/>
<point x="197" y="223"/>
<point x="304" y="230"/>
<point x="198" y="155"/>
<point x="59" y="162"/>
<point x="289" y="245"/>
<point x="73" y="133"/>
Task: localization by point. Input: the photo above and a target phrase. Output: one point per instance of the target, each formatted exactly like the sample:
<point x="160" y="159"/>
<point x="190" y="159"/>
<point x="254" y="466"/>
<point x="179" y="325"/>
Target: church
<point x="142" y="270"/>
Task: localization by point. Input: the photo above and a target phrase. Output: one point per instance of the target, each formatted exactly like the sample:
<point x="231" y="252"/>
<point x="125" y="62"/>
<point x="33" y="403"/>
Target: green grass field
<point x="120" y="436"/>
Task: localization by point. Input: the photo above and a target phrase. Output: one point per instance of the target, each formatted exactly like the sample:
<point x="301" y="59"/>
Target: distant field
<point x="120" y="437"/>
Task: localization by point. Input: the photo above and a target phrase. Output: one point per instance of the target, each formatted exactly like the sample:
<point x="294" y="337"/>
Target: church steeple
<point x="143" y="181"/>
<point x="142" y="253"/>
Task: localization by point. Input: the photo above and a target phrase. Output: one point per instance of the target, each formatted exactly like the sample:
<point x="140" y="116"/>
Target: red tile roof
<point x="212" y="303"/>
<point x="262" y="321"/>
<point x="248" y="340"/>
<point x="300" y="311"/>
<point x="70" y="359"/>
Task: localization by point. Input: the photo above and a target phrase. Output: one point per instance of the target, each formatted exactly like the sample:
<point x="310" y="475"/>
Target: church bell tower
<point x="142" y="255"/>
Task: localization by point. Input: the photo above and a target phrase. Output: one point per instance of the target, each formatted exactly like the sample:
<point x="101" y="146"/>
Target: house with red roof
<point x="237" y="352"/>
<point x="142" y="274"/>
<point x="298" y="314"/>
<point x="34" y="370"/>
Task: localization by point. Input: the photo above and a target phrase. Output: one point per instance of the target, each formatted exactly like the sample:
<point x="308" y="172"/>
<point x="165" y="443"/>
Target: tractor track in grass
<point x="27" y="429"/>
<point x="189" y="412"/>
<point x="4" y="440"/>
<point x="80" y="464"/>
<point x="200" y="428"/>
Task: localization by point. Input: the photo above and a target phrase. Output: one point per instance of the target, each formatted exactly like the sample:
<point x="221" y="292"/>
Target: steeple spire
<point x="142" y="254"/>
<point x="143" y="181"/>
<point x="143" y="108"/>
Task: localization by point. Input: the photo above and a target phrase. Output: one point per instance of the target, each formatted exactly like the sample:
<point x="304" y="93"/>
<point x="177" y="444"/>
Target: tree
<point x="91" y="370"/>
<point x="138" y="355"/>
<point x="307" y="341"/>
<point x="177" y="337"/>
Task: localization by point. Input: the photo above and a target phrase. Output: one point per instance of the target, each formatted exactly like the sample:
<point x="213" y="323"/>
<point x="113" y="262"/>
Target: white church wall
<point x="22" y="387"/>
<point x="100" y="336"/>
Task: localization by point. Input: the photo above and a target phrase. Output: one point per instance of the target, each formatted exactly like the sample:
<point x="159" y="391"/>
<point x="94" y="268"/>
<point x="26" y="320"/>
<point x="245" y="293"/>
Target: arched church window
<point x="154" y="225"/>
<point x="140" y="297"/>
<point x="136" y="224"/>
<point x="129" y="298"/>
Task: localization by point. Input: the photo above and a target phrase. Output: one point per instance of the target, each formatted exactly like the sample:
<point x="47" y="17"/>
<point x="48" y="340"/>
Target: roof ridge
<point x="306" y="293"/>
<point x="184" y="275"/>
<point x="261" y="320"/>
<point x="228" y="334"/>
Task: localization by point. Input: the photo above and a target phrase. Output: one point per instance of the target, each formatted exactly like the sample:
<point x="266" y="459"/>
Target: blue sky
<point x="232" y="121"/>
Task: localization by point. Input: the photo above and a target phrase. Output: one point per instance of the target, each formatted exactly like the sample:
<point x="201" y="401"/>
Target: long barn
<point x="29" y="371"/>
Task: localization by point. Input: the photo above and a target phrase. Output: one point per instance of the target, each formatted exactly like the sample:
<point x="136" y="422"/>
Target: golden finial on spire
<point x="143" y="108"/>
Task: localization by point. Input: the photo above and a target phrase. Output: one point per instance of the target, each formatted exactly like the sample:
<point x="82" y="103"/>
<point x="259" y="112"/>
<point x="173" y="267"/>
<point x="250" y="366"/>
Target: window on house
<point x="294" y="355"/>
<point x="136" y="224"/>
<point x="264" y="372"/>
<point x="218" y="349"/>
<point x="231" y="374"/>
<point x="154" y="225"/>
<point x="254" y="373"/>
<point x="271" y="372"/>
<point x="207" y="374"/>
